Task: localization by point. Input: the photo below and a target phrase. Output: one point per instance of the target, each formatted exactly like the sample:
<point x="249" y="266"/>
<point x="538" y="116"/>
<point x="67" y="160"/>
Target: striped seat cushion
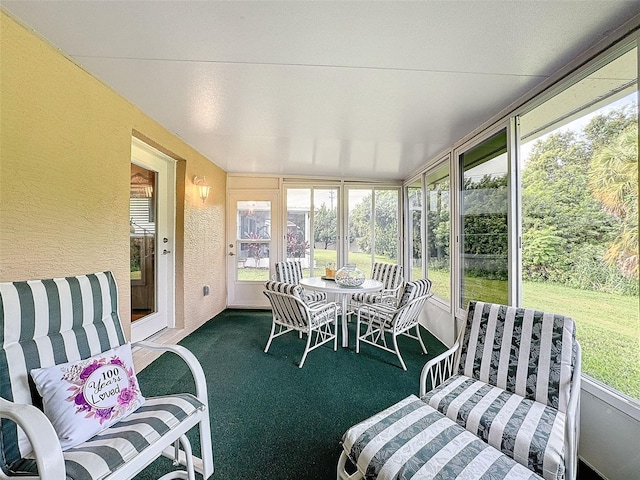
<point x="528" y="431"/>
<point x="113" y="448"/>
<point x="411" y="440"/>
<point x="312" y="297"/>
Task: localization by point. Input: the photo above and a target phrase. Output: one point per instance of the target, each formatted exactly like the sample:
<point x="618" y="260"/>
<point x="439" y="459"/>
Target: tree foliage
<point x="325" y="224"/>
<point x="580" y="205"/>
<point x="386" y="223"/>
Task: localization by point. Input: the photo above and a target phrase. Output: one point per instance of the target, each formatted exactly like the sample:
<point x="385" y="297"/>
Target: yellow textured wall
<point x="65" y="151"/>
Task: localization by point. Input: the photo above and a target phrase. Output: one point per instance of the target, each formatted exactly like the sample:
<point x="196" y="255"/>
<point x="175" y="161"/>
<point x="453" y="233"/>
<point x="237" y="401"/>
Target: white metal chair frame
<point x="382" y="319"/>
<point x="319" y="321"/>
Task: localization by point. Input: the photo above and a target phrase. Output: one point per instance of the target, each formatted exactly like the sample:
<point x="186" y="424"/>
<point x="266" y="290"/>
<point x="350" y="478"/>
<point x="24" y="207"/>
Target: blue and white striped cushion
<point x="46" y="322"/>
<point x="529" y="432"/>
<point x="523" y="351"/>
<point x="113" y="448"/>
<point x="412" y="440"/>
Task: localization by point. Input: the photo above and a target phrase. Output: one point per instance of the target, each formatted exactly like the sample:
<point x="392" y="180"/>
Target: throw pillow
<point x="85" y="397"/>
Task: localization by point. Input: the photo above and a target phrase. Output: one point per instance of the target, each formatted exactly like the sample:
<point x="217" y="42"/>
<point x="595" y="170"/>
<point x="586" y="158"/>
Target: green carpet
<point x="271" y="420"/>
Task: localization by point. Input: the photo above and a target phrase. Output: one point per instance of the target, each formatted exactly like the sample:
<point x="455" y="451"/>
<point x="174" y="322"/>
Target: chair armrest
<point x="438" y="369"/>
<point x="572" y="422"/>
<point x="189" y="358"/>
<point x="43" y="438"/>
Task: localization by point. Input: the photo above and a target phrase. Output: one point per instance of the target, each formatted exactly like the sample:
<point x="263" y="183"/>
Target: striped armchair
<point x="391" y="277"/>
<point x="291" y="272"/>
<point x="513" y="380"/>
<point x="292" y="312"/>
<point x="383" y="319"/>
<point x="44" y="323"/>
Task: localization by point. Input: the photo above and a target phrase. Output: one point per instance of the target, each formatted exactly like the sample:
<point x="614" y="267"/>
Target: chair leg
<point x="335" y="333"/>
<point x="271" y="337"/>
<point x="424" y="349"/>
<point x="342" y="473"/>
<point x="358" y="334"/>
<point x="395" y="346"/>
<point x="306" y="348"/>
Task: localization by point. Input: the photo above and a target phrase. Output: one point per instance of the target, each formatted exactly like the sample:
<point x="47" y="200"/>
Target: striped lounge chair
<point x="48" y="323"/>
<point x="513" y="380"/>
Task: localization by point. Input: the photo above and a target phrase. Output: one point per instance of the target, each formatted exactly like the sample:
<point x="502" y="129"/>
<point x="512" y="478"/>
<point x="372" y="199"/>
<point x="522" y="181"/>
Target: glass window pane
<point x="360" y="234"/>
<point x="579" y="160"/>
<point x="325" y="228"/>
<point x="438" y="232"/>
<point x="483" y="222"/>
<point x="414" y="225"/>
<point x="373" y="236"/>
<point x="298" y="225"/>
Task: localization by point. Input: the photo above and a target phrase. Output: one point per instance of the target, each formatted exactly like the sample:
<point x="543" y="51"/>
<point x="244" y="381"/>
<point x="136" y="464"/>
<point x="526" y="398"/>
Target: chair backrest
<point x="49" y="322"/>
<point x="524" y="351"/>
<point x="288" y="304"/>
<point x="289" y="272"/>
<point x="414" y="289"/>
<point x="389" y="274"/>
<point x="413" y="298"/>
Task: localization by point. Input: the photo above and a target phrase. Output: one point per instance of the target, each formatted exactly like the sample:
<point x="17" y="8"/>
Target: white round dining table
<point x="343" y="294"/>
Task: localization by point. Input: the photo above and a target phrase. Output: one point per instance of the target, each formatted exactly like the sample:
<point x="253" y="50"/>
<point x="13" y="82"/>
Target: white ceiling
<point x="333" y="88"/>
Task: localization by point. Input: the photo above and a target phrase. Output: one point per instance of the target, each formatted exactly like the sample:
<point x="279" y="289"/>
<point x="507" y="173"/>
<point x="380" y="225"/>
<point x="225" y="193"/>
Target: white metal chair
<point x="380" y="319"/>
<point x="290" y="271"/>
<point x="44" y="323"/>
<point x="391" y="277"/>
<point x="319" y="321"/>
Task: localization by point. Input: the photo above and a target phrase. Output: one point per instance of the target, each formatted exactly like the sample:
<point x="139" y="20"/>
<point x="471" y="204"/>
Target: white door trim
<point x="152" y="159"/>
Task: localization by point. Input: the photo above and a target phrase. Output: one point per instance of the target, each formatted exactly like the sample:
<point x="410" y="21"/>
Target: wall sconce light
<point x="203" y="188"/>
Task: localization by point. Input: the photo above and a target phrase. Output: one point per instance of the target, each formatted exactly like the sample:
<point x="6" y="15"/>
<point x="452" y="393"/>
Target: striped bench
<point x="51" y="322"/>
<point x="412" y="440"/>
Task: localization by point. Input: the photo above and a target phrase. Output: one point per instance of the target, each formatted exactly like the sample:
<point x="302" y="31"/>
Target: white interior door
<point x="253" y="233"/>
<point x="152" y="214"/>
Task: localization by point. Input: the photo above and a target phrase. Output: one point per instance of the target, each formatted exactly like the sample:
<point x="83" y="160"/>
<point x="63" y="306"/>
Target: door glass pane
<point x="298" y="232"/>
<point x="483" y="222"/>
<point x="142" y="239"/>
<point x="579" y="160"/>
<point x="438" y="230"/>
<point x="414" y="225"/>
<point x="253" y="240"/>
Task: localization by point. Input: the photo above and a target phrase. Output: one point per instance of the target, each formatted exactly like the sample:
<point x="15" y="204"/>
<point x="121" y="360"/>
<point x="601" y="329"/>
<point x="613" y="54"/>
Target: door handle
<point x="231" y="254"/>
<point x="166" y="252"/>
